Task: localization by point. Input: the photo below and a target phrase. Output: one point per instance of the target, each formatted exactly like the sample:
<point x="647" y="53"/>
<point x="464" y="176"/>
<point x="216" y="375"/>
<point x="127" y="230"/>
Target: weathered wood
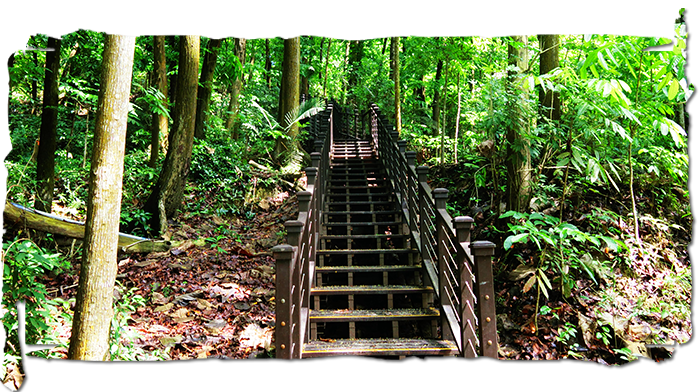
<point x="38" y="220"/>
<point x="385" y="347"/>
<point x="488" y="337"/>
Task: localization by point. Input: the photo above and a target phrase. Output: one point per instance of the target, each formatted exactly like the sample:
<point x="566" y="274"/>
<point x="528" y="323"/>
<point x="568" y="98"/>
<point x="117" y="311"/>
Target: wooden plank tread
<point x="391" y="289"/>
<point x="362" y="223"/>
<point x="368" y="268"/>
<point x="345" y="315"/>
<point x="364" y="251"/>
<point x="385" y="347"/>
<point x="448" y="382"/>
<point x="362" y="236"/>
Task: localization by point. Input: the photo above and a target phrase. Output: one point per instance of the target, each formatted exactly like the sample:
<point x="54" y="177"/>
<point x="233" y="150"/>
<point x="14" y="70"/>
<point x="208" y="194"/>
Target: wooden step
<point x="345" y="315"/>
<point x="379" y="347"/>
<point x="447" y="382"/>
<point x="394" y="223"/>
<point x="386" y="212"/>
<point x="367" y="268"/>
<point x="378" y="289"/>
<point x="363" y="251"/>
<point x="337" y="203"/>
<point x="362" y="236"/>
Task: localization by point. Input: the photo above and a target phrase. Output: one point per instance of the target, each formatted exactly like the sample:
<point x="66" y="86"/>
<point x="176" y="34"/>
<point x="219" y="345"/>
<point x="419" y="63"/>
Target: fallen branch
<point x="42" y="221"/>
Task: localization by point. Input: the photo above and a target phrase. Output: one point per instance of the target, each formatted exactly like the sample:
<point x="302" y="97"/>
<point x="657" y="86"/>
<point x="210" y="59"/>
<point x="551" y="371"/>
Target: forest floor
<point x="213" y="296"/>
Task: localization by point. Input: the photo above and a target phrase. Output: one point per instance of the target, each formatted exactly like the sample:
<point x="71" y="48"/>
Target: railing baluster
<point x="488" y="336"/>
<point x="284" y="345"/>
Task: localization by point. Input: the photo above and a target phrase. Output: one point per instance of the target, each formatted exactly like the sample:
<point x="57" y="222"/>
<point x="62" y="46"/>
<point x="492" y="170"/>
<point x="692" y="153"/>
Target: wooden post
<point x="411" y="158"/>
<point x="440" y="196"/>
<point x="283" y="311"/>
<point x="402" y="145"/>
<point x="488" y="337"/>
<point x="463" y="225"/>
<point x="422" y="172"/>
<point x="294" y="228"/>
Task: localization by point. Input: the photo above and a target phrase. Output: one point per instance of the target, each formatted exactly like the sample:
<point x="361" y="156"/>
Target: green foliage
<point x="23" y="263"/>
<point x="564" y="249"/>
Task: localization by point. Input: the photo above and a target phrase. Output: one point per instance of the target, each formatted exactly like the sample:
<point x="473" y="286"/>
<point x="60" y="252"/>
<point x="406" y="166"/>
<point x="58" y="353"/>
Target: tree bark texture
<point x="45" y="167"/>
<point x="159" y="123"/>
<point x="550" y="103"/>
<point x="289" y="95"/>
<point x="93" y="309"/>
<point x="173" y="42"/>
<point x="436" y="100"/>
<point x="396" y="67"/>
<point x="235" y="90"/>
<point x="166" y="196"/>
<point x="518" y="161"/>
<point x="205" y="87"/>
<point x="268" y="64"/>
<point x="8" y="35"/>
<point x="356" y="53"/>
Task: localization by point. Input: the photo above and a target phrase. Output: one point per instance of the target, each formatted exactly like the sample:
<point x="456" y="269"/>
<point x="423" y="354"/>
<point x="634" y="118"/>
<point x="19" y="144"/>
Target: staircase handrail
<point x="295" y="261"/>
<point x="460" y="269"/>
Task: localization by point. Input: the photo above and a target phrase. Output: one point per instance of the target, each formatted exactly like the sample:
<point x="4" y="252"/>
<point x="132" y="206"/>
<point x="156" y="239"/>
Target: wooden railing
<point x="460" y="269"/>
<point x="295" y="261"/>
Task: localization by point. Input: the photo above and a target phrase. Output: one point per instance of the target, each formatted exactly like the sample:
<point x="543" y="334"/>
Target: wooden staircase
<point x="374" y="264"/>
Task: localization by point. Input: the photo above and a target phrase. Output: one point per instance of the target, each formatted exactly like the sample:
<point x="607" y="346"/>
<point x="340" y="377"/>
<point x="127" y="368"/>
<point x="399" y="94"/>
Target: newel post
<point x="463" y="227"/>
<point x="402" y="145"/>
<point x="486" y="303"/>
<point x="422" y="172"/>
<point x="440" y="196"/>
<point x="411" y="158"/>
<point x="283" y="311"/>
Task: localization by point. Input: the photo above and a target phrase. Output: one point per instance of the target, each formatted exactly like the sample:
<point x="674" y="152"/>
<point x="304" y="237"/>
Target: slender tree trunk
<point x="289" y="98"/>
<point x="325" y="72"/>
<point x="205" y="87"/>
<point x="166" y="196"/>
<point x="35" y="87"/>
<point x="173" y="43"/>
<point x="45" y="171"/>
<point x="98" y="271"/>
<point x="518" y="161"/>
<point x="459" y="110"/>
<point x="550" y="104"/>
<point x="396" y="71"/>
<point x="443" y="131"/>
<point x="8" y="37"/>
<point x="159" y="123"/>
<point x="436" y="100"/>
<point x="235" y="90"/>
<point x="268" y="64"/>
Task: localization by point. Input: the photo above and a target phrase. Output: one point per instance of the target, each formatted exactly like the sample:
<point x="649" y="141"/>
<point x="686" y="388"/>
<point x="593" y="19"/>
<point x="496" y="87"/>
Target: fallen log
<point x="42" y="221"/>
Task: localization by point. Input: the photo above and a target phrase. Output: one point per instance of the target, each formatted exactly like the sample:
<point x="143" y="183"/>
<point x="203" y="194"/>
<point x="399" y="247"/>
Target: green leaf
<point x="673" y="89"/>
<point x="601" y="61"/>
<point x="542" y="286"/>
<point x="530" y="282"/>
<point x="508" y="243"/>
<point x="664" y="81"/>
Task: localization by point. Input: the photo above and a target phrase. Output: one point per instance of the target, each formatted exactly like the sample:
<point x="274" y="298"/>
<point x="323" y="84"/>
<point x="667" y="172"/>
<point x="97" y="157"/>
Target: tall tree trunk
<point x="436" y="100"/>
<point x="159" y="123"/>
<point x="268" y="64"/>
<point x="325" y="72"/>
<point x="289" y="99"/>
<point x="355" y="60"/>
<point x="35" y="87"/>
<point x="166" y="196"/>
<point x="8" y="38"/>
<point x="173" y="43"/>
<point x="550" y="104"/>
<point x="93" y="308"/>
<point x="205" y="83"/>
<point x="518" y="161"/>
<point x="459" y="110"/>
<point x="45" y="171"/>
<point x="396" y="71"/>
<point x="235" y="90"/>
